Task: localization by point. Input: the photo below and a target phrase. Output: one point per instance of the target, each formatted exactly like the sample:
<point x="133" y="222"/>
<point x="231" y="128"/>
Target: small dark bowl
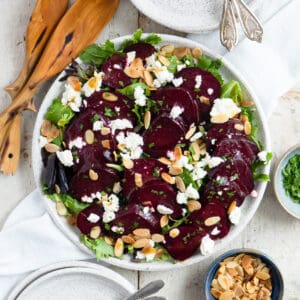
<point x="277" y="280"/>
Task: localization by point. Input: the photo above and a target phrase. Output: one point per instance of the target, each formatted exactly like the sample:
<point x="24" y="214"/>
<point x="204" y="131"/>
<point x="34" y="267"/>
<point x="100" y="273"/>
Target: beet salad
<point x="148" y="151"/>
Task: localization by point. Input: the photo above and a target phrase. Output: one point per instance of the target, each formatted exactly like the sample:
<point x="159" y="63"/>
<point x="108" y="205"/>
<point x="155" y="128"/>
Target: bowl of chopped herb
<point x="287" y="181"/>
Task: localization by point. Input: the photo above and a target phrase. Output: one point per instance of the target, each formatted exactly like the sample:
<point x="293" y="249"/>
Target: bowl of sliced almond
<point x="243" y="274"/>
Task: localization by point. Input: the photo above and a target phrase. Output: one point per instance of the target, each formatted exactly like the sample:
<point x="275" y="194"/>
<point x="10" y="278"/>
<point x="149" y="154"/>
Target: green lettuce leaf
<point x="212" y="66"/>
<point x="129" y="89"/>
<point x="232" y="89"/>
<point x="99" y="246"/>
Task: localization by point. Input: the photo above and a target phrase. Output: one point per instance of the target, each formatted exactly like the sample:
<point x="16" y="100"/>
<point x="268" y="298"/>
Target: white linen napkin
<point x="29" y="238"/>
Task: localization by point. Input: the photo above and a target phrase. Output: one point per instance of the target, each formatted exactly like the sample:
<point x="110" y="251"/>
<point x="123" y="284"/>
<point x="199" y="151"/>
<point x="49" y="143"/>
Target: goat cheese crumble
<point x="72" y="98"/>
<point x="133" y="143"/>
<point x="176" y="111"/>
<point x="177" y="82"/>
<point x="235" y="215"/>
<point x="224" y="106"/>
<point x="93" y="218"/>
<point x="207" y="245"/>
<point x="164" y="210"/>
<point x="198" y="80"/>
<point x="65" y="157"/>
<point x="77" y="143"/>
<point x="120" y="124"/>
<point x="93" y="84"/>
<point x="139" y="96"/>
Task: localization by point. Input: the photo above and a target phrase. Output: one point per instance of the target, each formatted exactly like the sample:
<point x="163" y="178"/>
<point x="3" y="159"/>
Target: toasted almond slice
<point x="180" y="184"/>
<point x="108" y="240"/>
<point x="190" y="132"/>
<point x="128" y="163"/>
<point x="141" y="243"/>
<point x="165" y="161"/>
<point x="138" y="179"/>
<point x="93" y="175"/>
<point x="173" y="233"/>
<point x="197" y="53"/>
<point x="121" y="147"/>
<point x="247" y="103"/>
<point x="57" y="189"/>
<point x="157" y="238"/>
<point x="61" y="209"/>
<point x="196" y="154"/>
<point x="119" y="248"/>
<point x="224" y="282"/>
<point x="175" y="170"/>
<point x="231" y="207"/>
<point x="246" y="261"/>
<point x="212" y="221"/>
<point x="167" y="178"/>
<point x="147" y="119"/>
<point x="204" y="100"/>
<point x="95" y="232"/>
<point x="232" y="272"/>
<point x="51" y="148"/>
<point x="106" y="144"/>
<point x="163" y="60"/>
<point x="239" y="127"/>
<point x="193" y="205"/>
<point x="164" y="221"/>
<point x="105" y="131"/>
<point x="148" y="78"/>
<point x="72" y="220"/>
<point x="219" y="119"/>
<point x="247" y="126"/>
<point x="128" y="239"/>
<point x="110" y="97"/>
<point x="167" y="49"/>
<point x="117" y="188"/>
<point x="49" y="130"/>
<point x="262" y="275"/>
<point x="115" y="156"/>
<point x="250" y="287"/>
<point x="136" y="69"/>
<point x="216" y="293"/>
<point x="89" y="136"/>
<point x="74" y="83"/>
<point x="240" y="270"/>
<point x="181" y="52"/>
<point x="231" y="264"/>
<point x="177" y="153"/>
<point x="142" y="232"/>
<point x="244" y="118"/>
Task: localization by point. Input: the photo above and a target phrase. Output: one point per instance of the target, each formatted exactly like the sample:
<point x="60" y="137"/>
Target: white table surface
<point x="272" y="230"/>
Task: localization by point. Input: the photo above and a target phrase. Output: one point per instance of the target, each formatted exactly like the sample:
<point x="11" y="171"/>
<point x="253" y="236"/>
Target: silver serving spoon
<point x="228" y="32"/>
<point x="249" y="22"/>
<point x="148" y="289"/>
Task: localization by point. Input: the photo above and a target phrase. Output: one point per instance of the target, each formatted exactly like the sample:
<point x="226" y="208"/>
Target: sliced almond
<point x="164" y="221"/>
<point x="89" y="136"/>
<point x="117" y="188"/>
<point x="224" y="282"/>
<point x="262" y="275"/>
<point x="165" y="161"/>
<point x="163" y="60"/>
<point x="239" y="127"/>
<point x="136" y="68"/>
<point x="244" y="118"/>
<point x="180" y="184"/>
<point x="190" y="133"/>
<point x="147" y="119"/>
<point x="142" y="232"/>
<point x="105" y="131"/>
<point x="93" y="175"/>
<point x="72" y="220"/>
<point x="250" y="287"/>
<point x="231" y="264"/>
<point x="196" y="153"/>
<point x="128" y="163"/>
<point x="57" y="189"/>
<point x="181" y="52"/>
<point x="109" y="240"/>
<point x="106" y="144"/>
<point x="157" y="238"/>
<point x="177" y="153"/>
<point x="173" y="233"/>
<point x="228" y="295"/>
<point x="247" y="103"/>
<point x="148" y="78"/>
<point x="193" y="205"/>
<point x="175" y="170"/>
<point x="95" y="232"/>
<point x="247" y="128"/>
<point x="167" y="49"/>
<point x="159" y="253"/>
<point x="168" y="178"/>
<point x="74" y="83"/>
<point x="141" y="243"/>
<point x="49" y="130"/>
<point x="216" y="293"/>
<point x="138" y="179"/>
<point x="110" y="97"/>
<point x="197" y="53"/>
<point x="119" y="248"/>
<point x="121" y="147"/>
<point x="61" y="209"/>
<point x="212" y="221"/>
<point x="219" y="119"/>
<point x="204" y="100"/>
<point x="128" y="239"/>
<point x="231" y="207"/>
<point x="115" y="155"/>
<point x="51" y="148"/>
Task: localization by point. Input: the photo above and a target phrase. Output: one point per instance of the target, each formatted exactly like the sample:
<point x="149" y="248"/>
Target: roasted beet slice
<point x="237" y="147"/>
<point x="135" y="216"/>
<point x="149" y="168"/>
<point x="199" y="217"/>
<point x="157" y="192"/>
<point x="171" y="97"/>
<point x="165" y="133"/>
<point x="142" y="50"/>
<point x="113" y="69"/>
<point x="84" y="224"/>
<point x="221" y="131"/>
<point x="81" y="185"/>
<point x="209" y="88"/>
<point x="121" y="108"/>
<point x="186" y="243"/>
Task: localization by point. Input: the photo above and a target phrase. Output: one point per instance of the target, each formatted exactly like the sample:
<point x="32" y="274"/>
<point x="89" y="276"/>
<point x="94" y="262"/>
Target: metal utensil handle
<point x="156" y="298"/>
<point x="249" y="22"/>
<point x="228" y="32"/>
<point x="149" y="289"/>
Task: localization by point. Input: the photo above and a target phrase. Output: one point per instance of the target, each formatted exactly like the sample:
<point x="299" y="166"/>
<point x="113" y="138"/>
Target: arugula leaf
<point x="98" y="54"/>
<point x="129" y="89"/>
<point x="174" y="62"/>
<point x="212" y="66"/>
<point x="99" y="246"/>
<point x="232" y="89"/>
<point x="59" y="114"/>
<point x="188" y="60"/>
<point x="261" y="177"/>
<point x="165" y="255"/>
<point x="257" y="165"/>
<point x="187" y="179"/>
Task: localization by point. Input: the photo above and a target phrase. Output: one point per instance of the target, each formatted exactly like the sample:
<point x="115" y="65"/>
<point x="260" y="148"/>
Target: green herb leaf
<point x="210" y="65"/>
<point x="232" y="89"/>
<point x="174" y="62"/>
<point x="187" y="179"/>
<point x="129" y="89"/>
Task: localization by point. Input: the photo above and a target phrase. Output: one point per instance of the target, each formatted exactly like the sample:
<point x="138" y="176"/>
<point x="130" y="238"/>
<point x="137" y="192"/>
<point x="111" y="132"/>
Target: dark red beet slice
<point x="81" y="185"/>
<point x="142" y="50"/>
<point x="210" y="87"/>
<point x="119" y="109"/>
<point x="237" y="147"/>
<point x="84" y="224"/>
<point x="177" y="97"/>
<point x="134" y="216"/>
<point x="157" y="192"/>
<point x="149" y="168"/>
<point x="186" y="243"/>
<point x="165" y="133"/>
<point x="113" y="69"/>
<point x="220" y="131"/>
<point x="198" y="218"/>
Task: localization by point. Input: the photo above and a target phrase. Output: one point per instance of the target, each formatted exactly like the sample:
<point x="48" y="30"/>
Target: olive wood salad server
<point x="78" y="28"/>
<point x="43" y="20"/>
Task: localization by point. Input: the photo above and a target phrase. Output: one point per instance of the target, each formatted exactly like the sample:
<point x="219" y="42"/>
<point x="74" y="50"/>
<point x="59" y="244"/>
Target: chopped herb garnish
<point x="108" y="112"/>
<point x="151" y="145"/>
<point x="95" y="118"/>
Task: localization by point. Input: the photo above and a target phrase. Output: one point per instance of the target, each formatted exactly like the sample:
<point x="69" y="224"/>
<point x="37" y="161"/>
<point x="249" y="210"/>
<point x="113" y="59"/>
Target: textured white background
<point x="272" y="230"/>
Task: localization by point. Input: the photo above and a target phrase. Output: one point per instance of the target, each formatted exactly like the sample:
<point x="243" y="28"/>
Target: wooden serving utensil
<point x="79" y="27"/>
<point x="43" y="20"/>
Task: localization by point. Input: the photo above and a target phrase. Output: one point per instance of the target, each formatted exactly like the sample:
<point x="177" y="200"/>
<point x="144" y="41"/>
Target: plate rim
<point x="156" y="266"/>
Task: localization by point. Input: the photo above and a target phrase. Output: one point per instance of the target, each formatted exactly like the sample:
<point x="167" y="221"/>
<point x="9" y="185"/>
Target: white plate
<point x="248" y="209"/>
<point x="186" y="15"/>
<point x="73" y="280"/>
